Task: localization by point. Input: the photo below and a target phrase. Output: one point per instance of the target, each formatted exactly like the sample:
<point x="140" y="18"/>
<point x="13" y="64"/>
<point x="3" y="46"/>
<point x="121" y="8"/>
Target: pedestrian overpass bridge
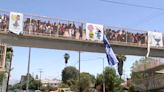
<point x="49" y="33"/>
<point x="62" y="43"/>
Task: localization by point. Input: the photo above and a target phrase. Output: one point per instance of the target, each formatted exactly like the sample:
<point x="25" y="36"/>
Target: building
<point x="149" y="76"/>
<point x="53" y="83"/>
<point x="2" y="57"/>
<point x="6" y="54"/>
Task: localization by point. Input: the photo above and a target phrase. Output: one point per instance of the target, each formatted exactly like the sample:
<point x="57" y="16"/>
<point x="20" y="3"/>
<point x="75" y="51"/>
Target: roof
<point x="50" y="81"/>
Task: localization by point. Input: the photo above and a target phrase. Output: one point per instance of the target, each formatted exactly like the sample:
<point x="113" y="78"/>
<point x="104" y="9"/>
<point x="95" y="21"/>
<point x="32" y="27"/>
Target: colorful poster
<point x="94" y="32"/>
<point x="155" y="39"/>
<point x="16" y="22"/>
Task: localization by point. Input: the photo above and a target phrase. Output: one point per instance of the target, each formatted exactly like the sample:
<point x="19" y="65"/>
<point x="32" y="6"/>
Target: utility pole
<point x="40" y="71"/>
<point x="103" y="77"/>
<point x="79" y="70"/>
<point x="28" y="70"/>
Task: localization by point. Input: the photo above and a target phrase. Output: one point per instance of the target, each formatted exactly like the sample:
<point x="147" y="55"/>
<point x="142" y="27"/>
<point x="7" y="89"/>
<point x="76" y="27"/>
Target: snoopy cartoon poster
<point x="94" y="32"/>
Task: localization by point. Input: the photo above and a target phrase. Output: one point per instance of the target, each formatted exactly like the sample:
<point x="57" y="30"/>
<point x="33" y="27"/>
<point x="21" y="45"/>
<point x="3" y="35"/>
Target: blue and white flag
<point x="112" y="60"/>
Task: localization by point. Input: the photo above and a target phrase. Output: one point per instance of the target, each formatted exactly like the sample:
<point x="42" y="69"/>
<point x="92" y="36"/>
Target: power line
<point x="133" y="5"/>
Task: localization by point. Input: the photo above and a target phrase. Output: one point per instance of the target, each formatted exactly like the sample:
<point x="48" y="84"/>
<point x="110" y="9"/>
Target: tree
<point x="69" y="73"/>
<point x="9" y="54"/>
<point x="2" y="75"/>
<point x="66" y="57"/>
<point x="121" y="59"/>
<point x="63" y="85"/>
<point x="99" y="79"/>
<point x="86" y="82"/>
<point x="112" y="80"/>
<point x="33" y="84"/>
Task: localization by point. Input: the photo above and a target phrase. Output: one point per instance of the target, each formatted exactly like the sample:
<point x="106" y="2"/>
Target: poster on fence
<point x="94" y="32"/>
<point x="155" y="39"/>
<point x="16" y="22"/>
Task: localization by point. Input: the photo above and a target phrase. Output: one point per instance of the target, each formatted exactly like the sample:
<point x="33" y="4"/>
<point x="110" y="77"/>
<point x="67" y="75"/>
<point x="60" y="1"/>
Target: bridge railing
<point x="50" y="27"/>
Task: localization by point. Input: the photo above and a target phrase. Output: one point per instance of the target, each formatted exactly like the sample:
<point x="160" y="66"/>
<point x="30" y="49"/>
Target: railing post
<point x="57" y="33"/>
<point x="126" y="37"/>
<point x="30" y="27"/>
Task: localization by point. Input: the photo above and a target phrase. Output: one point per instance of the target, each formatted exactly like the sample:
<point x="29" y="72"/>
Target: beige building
<point x="2" y="57"/>
<point x="150" y="76"/>
<point x="52" y="83"/>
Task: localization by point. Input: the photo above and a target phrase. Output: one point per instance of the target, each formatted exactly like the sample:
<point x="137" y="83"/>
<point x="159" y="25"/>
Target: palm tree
<point x="121" y="59"/>
<point x="9" y="55"/>
<point x="66" y="57"/>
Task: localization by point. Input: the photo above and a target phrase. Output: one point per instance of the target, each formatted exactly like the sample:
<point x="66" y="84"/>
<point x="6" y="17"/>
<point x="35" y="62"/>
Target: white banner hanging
<point x="155" y="39"/>
<point x="94" y="32"/>
<point x="16" y="22"/>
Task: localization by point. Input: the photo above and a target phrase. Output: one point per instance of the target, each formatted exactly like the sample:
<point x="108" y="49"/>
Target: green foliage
<point x="112" y="80"/>
<point x="70" y="77"/>
<point x="2" y="76"/>
<point x="99" y="79"/>
<point x="69" y="73"/>
<point x="86" y="81"/>
<point x="48" y="88"/>
<point x="63" y="85"/>
<point x="9" y="52"/>
<point x="33" y="84"/>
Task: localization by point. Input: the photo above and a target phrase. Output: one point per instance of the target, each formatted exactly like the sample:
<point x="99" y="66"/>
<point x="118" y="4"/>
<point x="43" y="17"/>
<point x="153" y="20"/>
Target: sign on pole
<point x="16" y="22"/>
<point x="94" y="32"/>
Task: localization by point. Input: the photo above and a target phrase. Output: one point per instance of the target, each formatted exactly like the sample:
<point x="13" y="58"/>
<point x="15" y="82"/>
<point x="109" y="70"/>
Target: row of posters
<point x="94" y="32"/>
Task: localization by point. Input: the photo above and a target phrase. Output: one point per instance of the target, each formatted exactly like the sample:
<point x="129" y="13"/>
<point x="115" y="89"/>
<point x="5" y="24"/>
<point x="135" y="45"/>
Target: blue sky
<point x="94" y="11"/>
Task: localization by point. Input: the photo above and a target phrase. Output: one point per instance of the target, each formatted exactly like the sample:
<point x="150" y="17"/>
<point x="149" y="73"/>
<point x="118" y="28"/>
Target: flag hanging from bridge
<point x="111" y="57"/>
<point x="16" y="22"/>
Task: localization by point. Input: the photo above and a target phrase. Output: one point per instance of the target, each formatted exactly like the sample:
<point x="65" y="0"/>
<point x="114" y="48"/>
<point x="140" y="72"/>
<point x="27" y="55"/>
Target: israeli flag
<point x="112" y="60"/>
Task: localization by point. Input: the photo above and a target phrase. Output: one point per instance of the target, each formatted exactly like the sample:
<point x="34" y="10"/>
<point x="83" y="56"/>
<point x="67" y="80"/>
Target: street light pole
<point x="28" y="70"/>
<point x="40" y="79"/>
<point x="103" y="77"/>
<point x="79" y="70"/>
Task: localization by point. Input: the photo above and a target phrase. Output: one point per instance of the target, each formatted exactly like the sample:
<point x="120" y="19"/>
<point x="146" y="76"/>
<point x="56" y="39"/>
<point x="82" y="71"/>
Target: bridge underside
<point x="61" y="43"/>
